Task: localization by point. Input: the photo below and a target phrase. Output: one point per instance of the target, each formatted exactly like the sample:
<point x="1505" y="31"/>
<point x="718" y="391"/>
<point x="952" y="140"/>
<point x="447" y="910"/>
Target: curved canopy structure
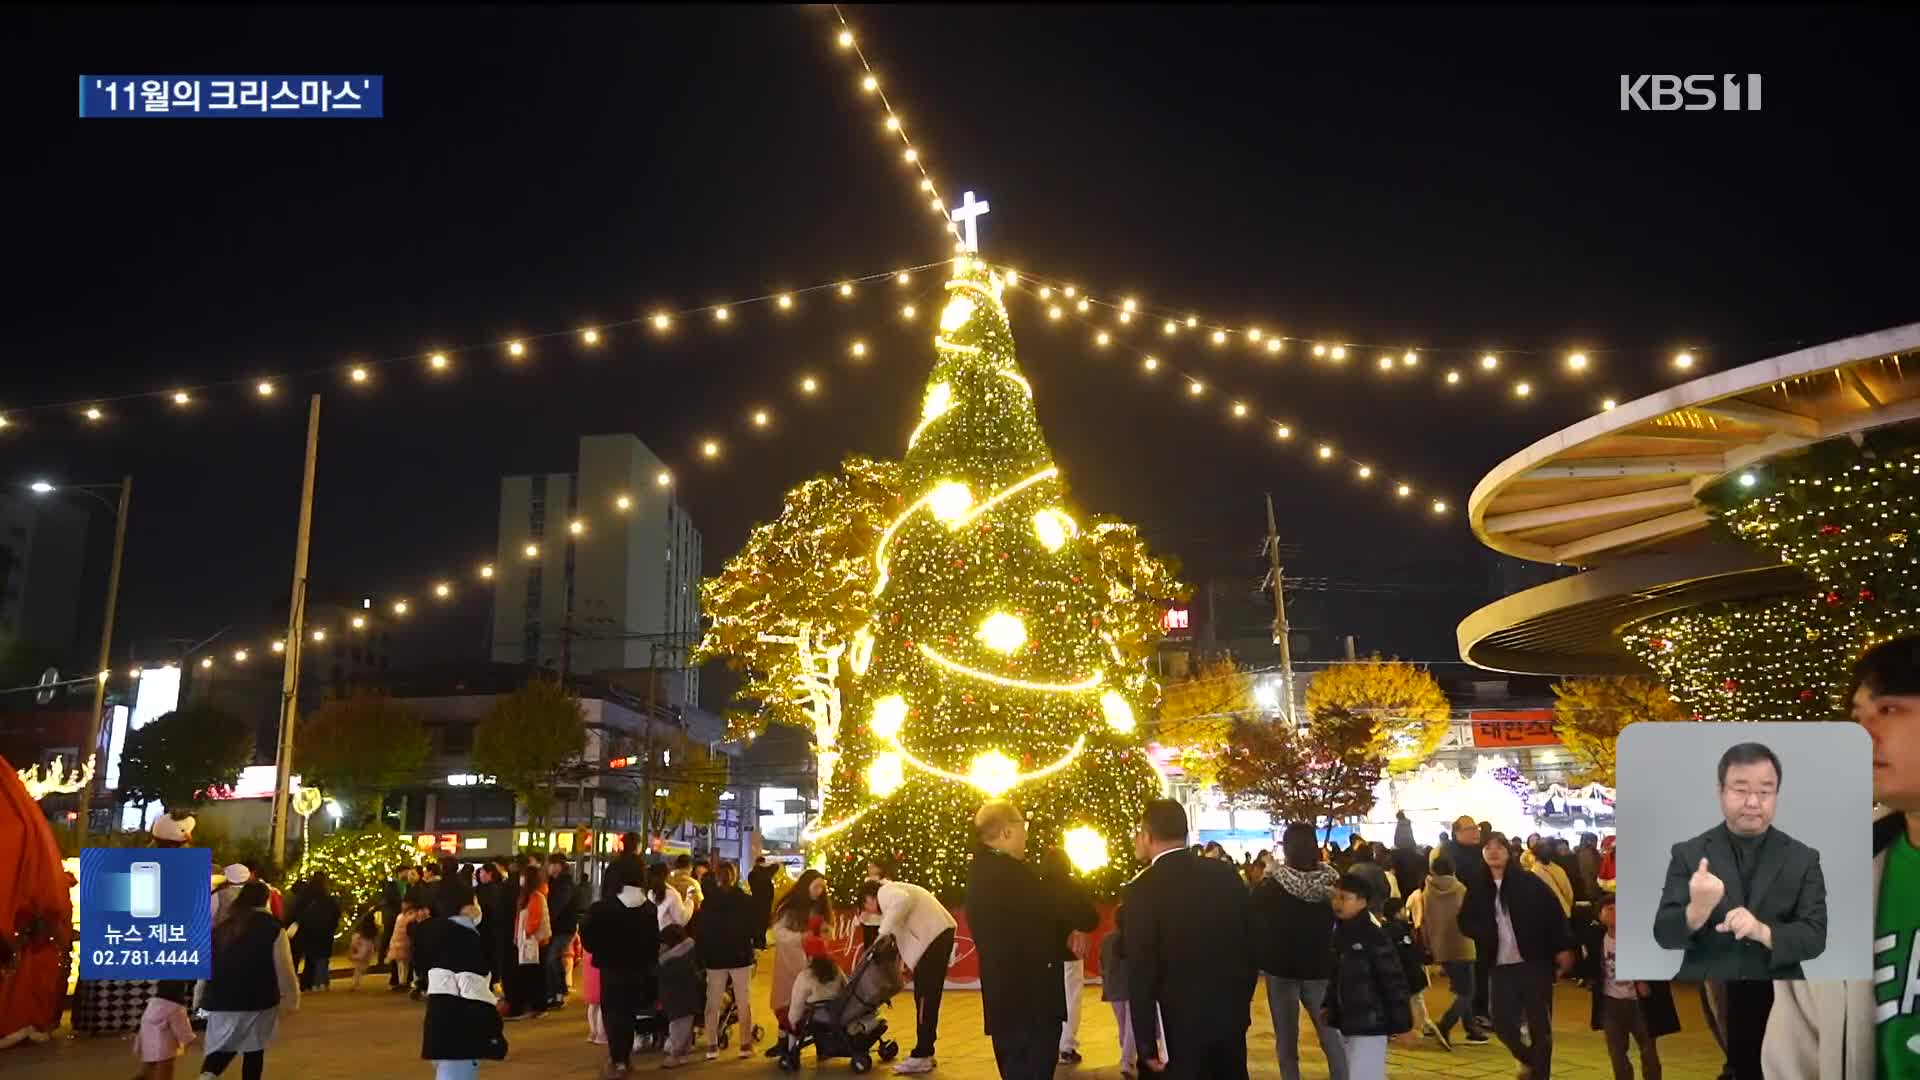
<point x="1615" y="495"/>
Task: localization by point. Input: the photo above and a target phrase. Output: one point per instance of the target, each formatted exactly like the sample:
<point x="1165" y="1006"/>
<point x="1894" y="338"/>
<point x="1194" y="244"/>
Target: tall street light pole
<point x="296" y="638"/>
<point x="91" y="747"/>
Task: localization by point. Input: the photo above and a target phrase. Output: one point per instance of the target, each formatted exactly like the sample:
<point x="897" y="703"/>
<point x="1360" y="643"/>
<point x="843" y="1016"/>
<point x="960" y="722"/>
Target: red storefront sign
<point x="1493" y="730"/>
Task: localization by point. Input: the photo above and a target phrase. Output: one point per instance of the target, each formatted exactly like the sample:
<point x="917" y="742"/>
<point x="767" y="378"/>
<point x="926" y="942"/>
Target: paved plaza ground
<point x="373" y="1033"/>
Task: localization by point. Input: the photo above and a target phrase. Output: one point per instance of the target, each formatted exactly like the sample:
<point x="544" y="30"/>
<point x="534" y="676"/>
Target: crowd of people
<point x="1347" y="937"/>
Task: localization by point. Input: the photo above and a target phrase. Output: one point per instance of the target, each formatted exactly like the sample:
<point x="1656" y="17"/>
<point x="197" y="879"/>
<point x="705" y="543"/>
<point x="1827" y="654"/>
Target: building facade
<point x="619" y="593"/>
<point x="42" y="551"/>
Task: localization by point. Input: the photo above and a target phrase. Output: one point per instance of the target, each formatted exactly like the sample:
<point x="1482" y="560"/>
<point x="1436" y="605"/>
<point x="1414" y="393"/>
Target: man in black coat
<point x="563" y="908"/>
<point x="760" y="883"/>
<point x="1745" y="900"/>
<point x="622" y="931"/>
<point x="1020" y="923"/>
<point x="1190" y="952"/>
<point x="1514" y="918"/>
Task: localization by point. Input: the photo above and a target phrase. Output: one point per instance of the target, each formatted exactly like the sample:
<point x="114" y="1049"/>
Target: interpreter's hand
<point x="1564" y="961"/>
<point x="1704" y="888"/>
<point x="1742" y="924"/>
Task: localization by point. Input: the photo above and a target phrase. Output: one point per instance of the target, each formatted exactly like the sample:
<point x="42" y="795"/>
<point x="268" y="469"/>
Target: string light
<point x="663" y="479"/>
<point x="623" y="503"/>
<point x="662" y="321"/>
<point x="1403" y="490"/>
<point x="577" y="527"/>
<point x="1489" y="362"/>
<point x="358" y="374"/>
<point x="592" y="336"/>
<point x="359" y="622"/>
<point x="1150" y="364"/>
<point x="1439" y="507"/>
<point x="1607" y="404"/>
<point x="1577" y="361"/>
<point x="809" y="385"/>
<point x="1683" y="361"/>
<point x="264" y="388"/>
<point x="859" y="348"/>
<point x="1386" y="363"/>
<point x="516" y="349"/>
<point x="438" y="361"/>
<point x="1282" y="431"/>
<point x="181" y="397"/>
<point x="240" y="656"/>
<point x="907" y="312"/>
<point x="1325" y="451"/>
<point x="721" y="314"/>
<point x="1411" y="359"/>
<point x="1274" y="345"/>
<point x="531" y="551"/>
<point x="399" y="607"/>
<point x="846" y="290"/>
<point x="1453" y="378"/>
<point x="1338" y="352"/>
<point x="443" y="590"/>
<point x="1195" y="387"/>
<point x="1239" y="410"/>
<point x="1522" y="389"/>
<point x="93" y="413"/>
<point x="486" y="573"/>
<point x="1366" y="472"/>
<point x="710" y="449"/>
<point x="760" y="418"/>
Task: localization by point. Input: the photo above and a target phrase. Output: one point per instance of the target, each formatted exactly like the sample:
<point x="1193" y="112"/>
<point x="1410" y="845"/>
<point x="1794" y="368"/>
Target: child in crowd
<point x="1627" y="1009"/>
<point x="1113" y="989"/>
<point x="1406" y="946"/>
<point x="682" y="995"/>
<point x="400" y="949"/>
<point x="1367" y="993"/>
<point x="819" y="981"/>
<point x="165" y="1028"/>
<point x="365" y="946"/>
<point x="590" y="983"/>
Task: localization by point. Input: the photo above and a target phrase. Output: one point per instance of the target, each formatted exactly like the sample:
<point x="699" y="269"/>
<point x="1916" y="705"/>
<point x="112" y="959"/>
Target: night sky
<point x="1407" y="178"/>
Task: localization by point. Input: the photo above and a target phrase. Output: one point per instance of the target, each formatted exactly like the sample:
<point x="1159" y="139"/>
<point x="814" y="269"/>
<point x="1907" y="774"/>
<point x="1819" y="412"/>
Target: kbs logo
<point x="1693" y="93"/>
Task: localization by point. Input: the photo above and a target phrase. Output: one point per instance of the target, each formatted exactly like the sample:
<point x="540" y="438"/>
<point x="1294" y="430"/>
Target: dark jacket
<point x="1657" y="1006"/>
<point x="1113" y="966"/>
<point x="1412" y="964"/>
<point x="1587" y="858"/>
<point x="622" y="938"/>
<point x="1469" y="865"/>
<point x="463" y="1022"/>
<point x="244" y="978"/>
<point x="319" y="919"/>
<point x="681" y="993"/>
<point x="725" y="929"/>
<point x="1296" y="922"/>
<point x="760" y="880"/>
<point x="1191" y="940"/>
<point x="1409" y="869"/>
<point x="1789" y="895"/>
<point x="1539" y="926"/>
<point x="1367" y="993"/>
<point x="563" y="904"/>
<point x="1375" y="876"/>
<point x="1020" y="922"/>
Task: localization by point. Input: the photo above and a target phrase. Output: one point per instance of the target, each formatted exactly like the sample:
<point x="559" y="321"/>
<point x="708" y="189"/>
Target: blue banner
<point x="146" y="913"/>
<point x="219" y="96"/>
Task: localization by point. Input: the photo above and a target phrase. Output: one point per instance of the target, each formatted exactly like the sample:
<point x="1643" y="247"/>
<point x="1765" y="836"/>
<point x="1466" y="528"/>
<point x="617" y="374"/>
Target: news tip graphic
<point x="146" y="913"/>
<point x="336" y="97"/>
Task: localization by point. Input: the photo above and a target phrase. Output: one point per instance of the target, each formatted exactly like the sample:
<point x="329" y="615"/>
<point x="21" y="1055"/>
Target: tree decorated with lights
<point x="1844" y="514"/>
<point x="988" y="667"/>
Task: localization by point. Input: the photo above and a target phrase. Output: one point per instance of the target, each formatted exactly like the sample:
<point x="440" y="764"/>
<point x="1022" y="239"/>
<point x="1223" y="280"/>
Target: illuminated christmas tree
<point x="1841" y="512"/>
<point x="986" y="669"/>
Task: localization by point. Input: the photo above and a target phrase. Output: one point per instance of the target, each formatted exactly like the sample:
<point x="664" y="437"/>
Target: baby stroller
<point x="849" y="1026"/>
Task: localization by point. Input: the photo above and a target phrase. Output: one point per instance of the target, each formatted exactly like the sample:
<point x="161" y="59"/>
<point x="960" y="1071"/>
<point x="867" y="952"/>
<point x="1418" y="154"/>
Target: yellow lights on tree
<point x="785" y="302"/>
<point x="885" y="774"/>
<point x="956" y="314"/>
<point x="1118" y="713"/>
<point x="889" y="714"/>
<point x="950" y="501"/>
<point x="1193" y="321"/>
<point x="1003" y="633"/>
<point x="531" y="551"/>
<point x="846" y="39"/>
<point x="1411" y="359"/>
<point x="869" y="84"/>
<point x="1053" y="528"/>
<point x="1326" y="452"/>
<point x="1128" y="305"/>
<point x="860" y="653"/>
<point x="993" y="773"/>
<point x="1070" y="292"/>
<point x="893" y="122"/>
<point x="1085" y="848"/>
<point x="516" y="349"/>
<point x="1053" y="312"/>
<point x="1046" y="292"/>
<point x="761" y="418"/>
<point x="1083" y="305"/>
<point x="938" y="400"/>
<point x="1102" y="339"/>
<point x="1365" y="472"/>
<point x="1577" y="362"/>
<point x="1254" y="334"/>
<point x="721" y="314"/>
<point x="910" y="155"/>
<point x="1125" y="318"/>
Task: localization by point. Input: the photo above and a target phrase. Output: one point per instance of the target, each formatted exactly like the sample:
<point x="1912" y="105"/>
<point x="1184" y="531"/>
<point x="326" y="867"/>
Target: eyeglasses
<point x="1746" y="794"/>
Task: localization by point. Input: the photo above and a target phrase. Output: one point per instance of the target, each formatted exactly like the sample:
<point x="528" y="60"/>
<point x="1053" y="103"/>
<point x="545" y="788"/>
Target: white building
<point x="618" y="594"/>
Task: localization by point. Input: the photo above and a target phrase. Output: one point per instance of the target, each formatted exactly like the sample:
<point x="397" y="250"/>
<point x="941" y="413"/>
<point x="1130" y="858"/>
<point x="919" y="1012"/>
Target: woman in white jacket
<point x="673" y="911"/>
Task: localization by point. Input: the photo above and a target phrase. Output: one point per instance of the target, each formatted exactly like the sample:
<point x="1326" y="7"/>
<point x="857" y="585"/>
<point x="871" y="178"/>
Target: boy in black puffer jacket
<point x="1367" y="996"/>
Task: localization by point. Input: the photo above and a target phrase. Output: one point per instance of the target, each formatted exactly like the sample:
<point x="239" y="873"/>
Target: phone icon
<point x="145" y="894"/>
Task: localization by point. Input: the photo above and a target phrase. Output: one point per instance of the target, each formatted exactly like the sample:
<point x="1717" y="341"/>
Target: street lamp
<point x="119" y="510"/>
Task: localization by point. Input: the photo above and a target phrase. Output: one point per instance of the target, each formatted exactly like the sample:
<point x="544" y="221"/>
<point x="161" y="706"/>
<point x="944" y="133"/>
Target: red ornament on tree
<point x="1731" y="686"/>
<point x="1833" y="599"/>
<point x="1867" y="596"/>
<point x="1832" y="530"/>
<point x="1806" y="695"/>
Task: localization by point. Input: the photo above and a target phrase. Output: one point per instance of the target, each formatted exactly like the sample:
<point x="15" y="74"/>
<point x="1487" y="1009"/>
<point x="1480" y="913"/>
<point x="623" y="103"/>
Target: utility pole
<point x="1281" y="636"/>
<point x="646" y="758"/>
<point x="296" y="637"/>
<point x="92" y="745"/>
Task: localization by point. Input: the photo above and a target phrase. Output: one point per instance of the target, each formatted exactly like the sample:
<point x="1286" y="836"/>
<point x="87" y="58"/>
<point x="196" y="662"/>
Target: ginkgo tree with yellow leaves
<point x="1409" y="711"/>
<point x="1589" y="715"/>
<point x="1197" y="715"/>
